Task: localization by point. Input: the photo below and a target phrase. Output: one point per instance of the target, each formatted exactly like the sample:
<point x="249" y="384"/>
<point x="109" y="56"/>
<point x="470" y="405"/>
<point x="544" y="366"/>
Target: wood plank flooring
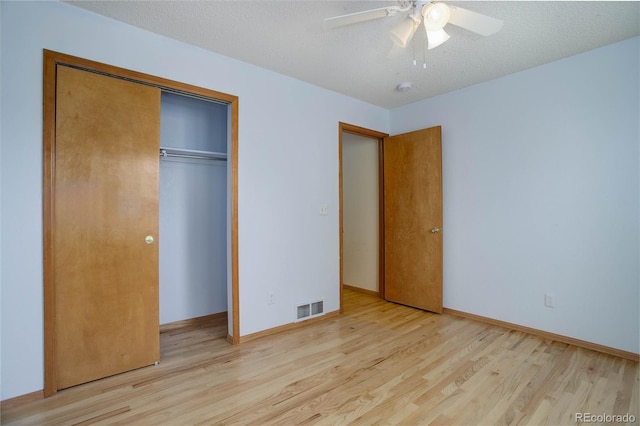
<point x="378" y="363"/>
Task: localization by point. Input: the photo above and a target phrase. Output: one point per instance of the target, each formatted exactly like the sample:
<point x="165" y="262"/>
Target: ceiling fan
<point x="434" y="15"/>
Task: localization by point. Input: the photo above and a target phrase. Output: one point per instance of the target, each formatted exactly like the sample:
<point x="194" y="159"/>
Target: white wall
<point x="192" y="238"/>
<point x="541" y="187"/>
<point x="360" y="217"/>
<point x="287" y="128"/>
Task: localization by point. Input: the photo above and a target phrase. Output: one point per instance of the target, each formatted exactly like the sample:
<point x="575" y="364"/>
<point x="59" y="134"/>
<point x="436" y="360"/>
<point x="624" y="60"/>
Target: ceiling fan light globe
<point x="402" y="33"/>
<point x="436" y="16"/>
<point x="436" y="38"/>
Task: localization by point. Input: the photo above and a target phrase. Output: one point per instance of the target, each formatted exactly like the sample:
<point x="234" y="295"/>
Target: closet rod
<point x="195" y="157"/>
<point x="192" y="154"/>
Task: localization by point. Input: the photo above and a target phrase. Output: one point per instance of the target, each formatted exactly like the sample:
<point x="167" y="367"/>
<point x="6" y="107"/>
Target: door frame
<point x="51" y="60"/>
<point x="379" y="136"/>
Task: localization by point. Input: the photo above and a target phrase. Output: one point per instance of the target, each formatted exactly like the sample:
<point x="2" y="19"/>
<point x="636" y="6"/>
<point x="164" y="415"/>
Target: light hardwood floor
<point x="378" y="363"/>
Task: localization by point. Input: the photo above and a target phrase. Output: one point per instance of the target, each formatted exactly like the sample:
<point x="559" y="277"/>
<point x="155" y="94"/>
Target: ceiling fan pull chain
<point x="424" y="54"/>
<point x="413" y="49"/>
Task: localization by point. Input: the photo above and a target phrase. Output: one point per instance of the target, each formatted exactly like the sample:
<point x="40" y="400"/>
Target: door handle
<point x="435" y="230"/>
<point x="148" y="239"/>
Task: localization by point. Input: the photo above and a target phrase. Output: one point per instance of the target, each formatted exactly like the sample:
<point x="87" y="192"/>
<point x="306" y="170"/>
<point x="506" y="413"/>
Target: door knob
<point x="435" y="230"/>
<point x="148" y="239"/>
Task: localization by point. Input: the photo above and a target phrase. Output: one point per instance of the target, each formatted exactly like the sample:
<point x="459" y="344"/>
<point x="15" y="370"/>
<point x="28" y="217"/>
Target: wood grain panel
<point x="106" y="203"/>
<point x="378" y="363"/>
<point x="413" y="207"/>
<point x="21" y="400"/>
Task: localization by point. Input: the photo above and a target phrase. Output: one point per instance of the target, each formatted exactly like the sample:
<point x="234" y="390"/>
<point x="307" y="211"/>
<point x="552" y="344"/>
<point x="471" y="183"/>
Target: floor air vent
<point x="310" y="310"/>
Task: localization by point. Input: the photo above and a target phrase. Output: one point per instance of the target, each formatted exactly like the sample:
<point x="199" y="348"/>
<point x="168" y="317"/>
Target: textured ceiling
<point x="288" y="37"/>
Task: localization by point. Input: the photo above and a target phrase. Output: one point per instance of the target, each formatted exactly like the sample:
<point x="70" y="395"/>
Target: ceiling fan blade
<point x="367" y="15"/>
<point x="473" y="21"/>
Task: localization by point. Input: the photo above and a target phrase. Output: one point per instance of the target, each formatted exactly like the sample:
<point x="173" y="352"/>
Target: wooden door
<point x="413" y="219"/>
<point x="105" y="206"/>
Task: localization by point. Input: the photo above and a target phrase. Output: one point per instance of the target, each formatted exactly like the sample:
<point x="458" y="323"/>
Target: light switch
<point x="324" y="210"/>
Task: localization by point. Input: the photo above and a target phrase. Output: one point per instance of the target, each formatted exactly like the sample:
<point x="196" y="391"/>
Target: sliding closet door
<point x="105" y="226"/>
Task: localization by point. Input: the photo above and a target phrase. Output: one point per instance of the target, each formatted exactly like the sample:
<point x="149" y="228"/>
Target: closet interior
<point x="193" y="210"/>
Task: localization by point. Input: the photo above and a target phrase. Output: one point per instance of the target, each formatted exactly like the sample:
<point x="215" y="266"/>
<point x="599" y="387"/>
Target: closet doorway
<point x="193" y="207"/>
<point x="80" y="250"/>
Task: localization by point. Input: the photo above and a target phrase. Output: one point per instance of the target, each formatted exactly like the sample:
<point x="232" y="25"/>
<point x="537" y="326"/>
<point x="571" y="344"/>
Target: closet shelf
<point x="192" y="153"/>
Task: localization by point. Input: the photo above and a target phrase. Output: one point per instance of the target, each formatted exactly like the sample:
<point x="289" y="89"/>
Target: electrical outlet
<point x="271" y="299"/>
<point x="324" y="210"/>
<point x="548" y="300"/>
